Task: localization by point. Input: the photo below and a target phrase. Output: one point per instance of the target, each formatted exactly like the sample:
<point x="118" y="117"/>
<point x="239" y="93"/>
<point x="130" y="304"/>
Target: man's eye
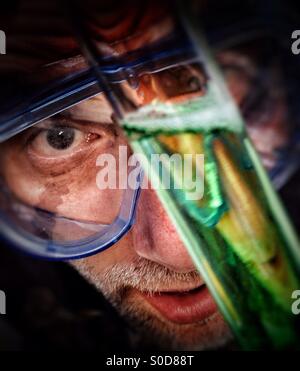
<point x="59" y="141"/>
<point x="61" y="138"/>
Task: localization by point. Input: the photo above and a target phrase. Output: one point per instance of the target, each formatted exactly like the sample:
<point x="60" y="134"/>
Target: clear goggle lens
<point x="64" y="187"/>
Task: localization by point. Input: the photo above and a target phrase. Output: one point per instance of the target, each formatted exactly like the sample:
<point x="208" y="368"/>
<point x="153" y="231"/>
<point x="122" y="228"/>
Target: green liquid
<point x="249" y="265"/>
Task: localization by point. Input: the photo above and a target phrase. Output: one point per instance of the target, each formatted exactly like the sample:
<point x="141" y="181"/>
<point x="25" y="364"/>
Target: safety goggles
<point x="59" y="133"/>
<point x="51" y="142"/>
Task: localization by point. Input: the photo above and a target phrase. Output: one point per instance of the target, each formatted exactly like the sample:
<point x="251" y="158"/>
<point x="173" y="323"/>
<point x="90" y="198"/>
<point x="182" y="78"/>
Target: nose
<point x="155" y="237"/>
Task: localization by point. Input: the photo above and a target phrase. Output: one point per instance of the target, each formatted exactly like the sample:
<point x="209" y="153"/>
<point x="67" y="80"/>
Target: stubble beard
<point x="120" y="283"/>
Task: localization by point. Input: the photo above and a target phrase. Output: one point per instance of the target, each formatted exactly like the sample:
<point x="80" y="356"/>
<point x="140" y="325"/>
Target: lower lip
<point x="183" y="308"/>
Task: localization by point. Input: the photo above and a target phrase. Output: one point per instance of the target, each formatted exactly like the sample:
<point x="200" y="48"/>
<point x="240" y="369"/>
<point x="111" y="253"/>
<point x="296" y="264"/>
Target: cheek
<point x="74" y="194"/>
<point x="19" y="176"/>
<point x="152" y="222"/>
<point x="120" y="253"/>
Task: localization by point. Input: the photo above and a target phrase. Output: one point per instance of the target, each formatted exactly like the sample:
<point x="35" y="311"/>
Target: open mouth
<point x="183" y="307"/>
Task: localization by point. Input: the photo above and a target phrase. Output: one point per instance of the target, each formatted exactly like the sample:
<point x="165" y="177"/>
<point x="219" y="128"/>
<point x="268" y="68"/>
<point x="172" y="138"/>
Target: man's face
<point x="148" y="275"/>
